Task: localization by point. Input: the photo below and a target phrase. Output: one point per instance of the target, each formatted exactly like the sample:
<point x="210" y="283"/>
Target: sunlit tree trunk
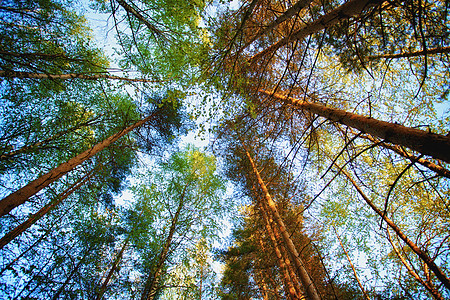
<point x="43" y="211"/>
<point x="422" y="254"/>
<point x="351" y="265"/>
<point x="21" y="196"/>
<point x="413" y="273"/>
<point x="435" y="145"/>
<point x="131" y="10"/>
<point x="22" y="75"/>
<point x="307" y="283"/>
<point x="345" y="11"/>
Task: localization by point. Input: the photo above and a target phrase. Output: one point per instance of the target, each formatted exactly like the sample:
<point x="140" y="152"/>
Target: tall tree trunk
<point x="21" y="196"/>
<point x="412" y="54"/>
<point x="435" y="145"/>
<point x="113" y="269"/>
<point x="422" y="254"/>
<point x="345" y="11"/>
<point x="294" y="9"/>
<point x="22" y="75"/>
<point x="72" y="273"/>
<point x="307" y="283"/>
<point x="413" y="273"/>
<point x="283" y="258"/>
<point x="37" y="216"/>
<point x="151" y="286"/>
<point x="351" y="265"/>
<point x="131" y="10"/>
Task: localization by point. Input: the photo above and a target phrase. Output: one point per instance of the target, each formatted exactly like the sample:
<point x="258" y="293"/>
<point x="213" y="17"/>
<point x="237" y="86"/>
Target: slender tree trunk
<point x="422" y="254"/>
<point x="72" y="273"/>
<point x="22" y="75"/>
<point x="412" y="54"/>
<point x="345" y="11"/>
<point x="307" y="283"/>
<point x="151" y="286"/>
<point x="429" y="287"/>
<point x="130" y="9"/>
<point x="294" y="9"/>
<point x="435" y="145"/>
<point x="113" y="269"/>
<point x="43" y="211"/>
<point x="282" y="256"/>
<point x="21" y="196"/>
<point x="351" y="265"/>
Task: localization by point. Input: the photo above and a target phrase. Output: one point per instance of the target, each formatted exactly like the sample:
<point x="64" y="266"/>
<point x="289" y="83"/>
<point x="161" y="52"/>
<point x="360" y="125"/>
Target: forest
<point x="225" y="149"/>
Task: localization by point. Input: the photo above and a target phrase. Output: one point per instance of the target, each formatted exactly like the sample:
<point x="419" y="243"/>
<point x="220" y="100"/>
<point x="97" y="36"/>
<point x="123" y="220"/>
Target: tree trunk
<point x="151" y="286"/>
<point x="283" y="258"/>
<point x="113" y="269"/>
<point x="72" y="273"/>
<point x="435" y="145"/>
<point x="351" y="265"/>
<point x="412" y="54"/>
<point x="345" y="11"/>
<point x="21" y="196"/>
<point x="129" y="9"/>
<point x="422" y="254"/>
<point x="21" y="75"/>
<point x="294" y="9"/>
<point x="430" y="288"/>
<point x="35" y="217"/>
<point x="307" y="283"/>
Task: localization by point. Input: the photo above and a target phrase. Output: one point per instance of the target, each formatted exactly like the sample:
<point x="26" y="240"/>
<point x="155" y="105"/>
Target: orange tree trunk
<point x="435" y="145"/>
<point x="308" y="285"/>
<point x="21" y="196"/>
<point x="35" y="217"/>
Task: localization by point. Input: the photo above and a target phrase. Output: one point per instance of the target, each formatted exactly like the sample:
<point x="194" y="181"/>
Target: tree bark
<point x="35" y="217"/>
<point x="308" y="285"/>
<point x="435" y="145"/>
<point x="22" y="75"/>
<point x="21" y="196"/>
<point x="345" y="11"/>
<point x="422" y="254"/>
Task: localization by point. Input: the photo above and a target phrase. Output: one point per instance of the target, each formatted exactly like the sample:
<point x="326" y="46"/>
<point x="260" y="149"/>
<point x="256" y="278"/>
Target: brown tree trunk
<point x="282" y="256"/>
<point x="412" y="54"/>
<point x="307" y="283"/>
<point x="21" y="196"/>
<point x="422" y="254"/>
<point x="35" y="217"/>
<point x="435" y="145"/>
<point x="113" y="269"/>
<point x="21" y="75"/>
<point x="151" y="286"/>
<point x="294" y="9"/>
<point x="429" y="287"/>
<point x="351" y="265"/>
<point x="130" y="9"/>
<point x="345" y="11"/>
